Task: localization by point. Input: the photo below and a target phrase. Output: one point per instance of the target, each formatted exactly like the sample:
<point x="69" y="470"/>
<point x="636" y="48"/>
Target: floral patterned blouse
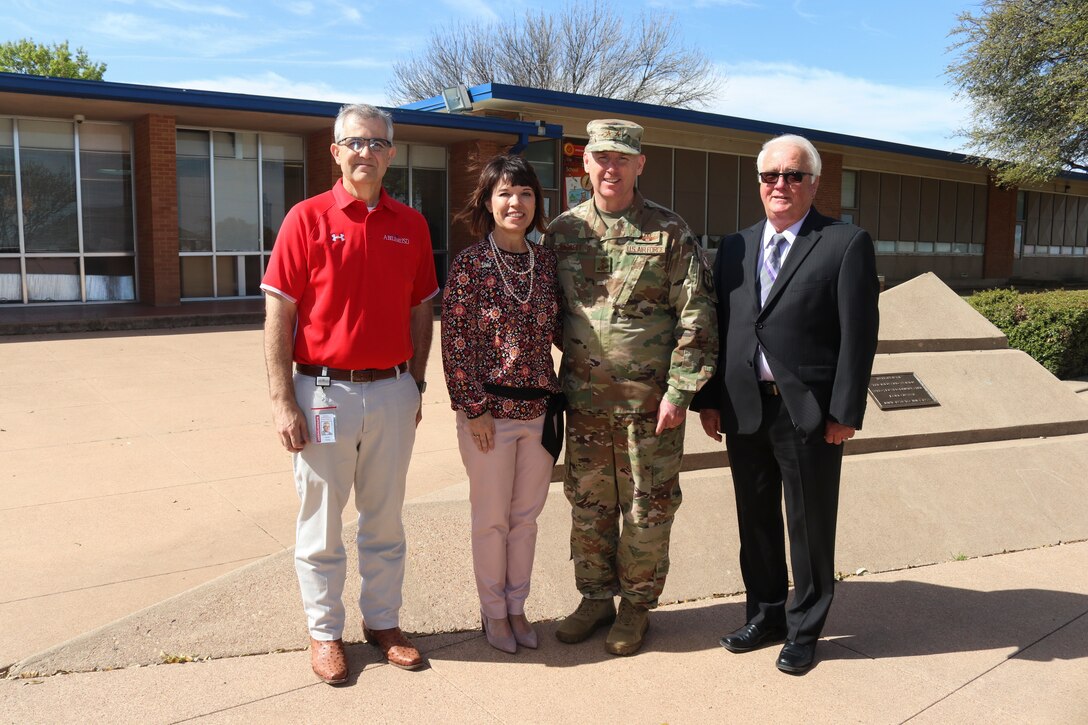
<point x="488" y="336"/>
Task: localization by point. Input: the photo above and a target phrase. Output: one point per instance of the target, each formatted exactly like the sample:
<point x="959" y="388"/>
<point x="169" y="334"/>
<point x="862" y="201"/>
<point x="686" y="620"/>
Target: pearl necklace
<point x="500" y="263"/>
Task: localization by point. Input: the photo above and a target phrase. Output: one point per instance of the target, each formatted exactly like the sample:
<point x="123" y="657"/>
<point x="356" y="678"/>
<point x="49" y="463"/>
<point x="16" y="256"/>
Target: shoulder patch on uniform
<point x="703" y="258"/>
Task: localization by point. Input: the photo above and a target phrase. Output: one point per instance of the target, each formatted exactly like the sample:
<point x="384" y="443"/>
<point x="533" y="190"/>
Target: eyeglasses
<point x="357" y="144"/>
<point x="793" y="177"/>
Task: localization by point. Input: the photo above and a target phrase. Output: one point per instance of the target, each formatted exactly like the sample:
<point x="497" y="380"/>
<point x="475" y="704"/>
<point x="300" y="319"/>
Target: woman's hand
<point x="483" y="432"/>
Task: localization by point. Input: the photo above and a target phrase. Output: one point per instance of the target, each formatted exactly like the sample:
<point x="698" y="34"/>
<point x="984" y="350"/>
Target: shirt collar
<point x="344" y="199"/>
<point x="790" y="232"/>
<point x="627" y="220"/>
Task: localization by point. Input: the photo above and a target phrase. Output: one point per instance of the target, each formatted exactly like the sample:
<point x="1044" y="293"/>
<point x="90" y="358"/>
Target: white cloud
<point x="202" y="9"/>
<point x="200" y="41"/>
<point x="273" y="84"/>
<point x="298" y="8"/>
<point x="477" y="8"/>
<point x="801" y="13"/>
<point x="826" y="100"/>
<point x="347" y="12"/>
<point x="675" y="5"/>
<point x="130" y="27"/>
<point x="871" y="29"/>
<point x="184" y="6"/>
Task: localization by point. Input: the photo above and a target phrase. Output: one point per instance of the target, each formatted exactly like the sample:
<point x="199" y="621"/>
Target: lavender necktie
<point x="772" y="263"/>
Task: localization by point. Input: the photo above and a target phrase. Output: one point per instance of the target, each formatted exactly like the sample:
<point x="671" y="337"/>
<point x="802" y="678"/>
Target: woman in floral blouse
<point x="500" y="314"/>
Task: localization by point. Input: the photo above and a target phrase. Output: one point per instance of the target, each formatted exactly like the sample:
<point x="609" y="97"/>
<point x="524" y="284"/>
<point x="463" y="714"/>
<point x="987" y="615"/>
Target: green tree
<point x="26" y="56"/>
<point x="1024" y="66"/>
<point x="592" y="47"/>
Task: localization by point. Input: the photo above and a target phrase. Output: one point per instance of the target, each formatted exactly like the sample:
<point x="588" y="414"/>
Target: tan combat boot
<point x="590" y="614"/>
<point x="626" y="634"/>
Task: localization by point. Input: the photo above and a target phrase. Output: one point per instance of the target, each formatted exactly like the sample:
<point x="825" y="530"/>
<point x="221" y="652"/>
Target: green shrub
<point x="1052" y="327"/>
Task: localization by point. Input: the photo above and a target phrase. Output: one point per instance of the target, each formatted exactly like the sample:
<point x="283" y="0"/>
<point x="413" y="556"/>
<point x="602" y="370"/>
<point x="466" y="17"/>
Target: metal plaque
<point x="900" y="390"/>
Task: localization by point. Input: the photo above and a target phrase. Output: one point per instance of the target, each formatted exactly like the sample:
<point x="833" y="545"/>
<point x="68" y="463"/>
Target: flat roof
<point x="504" y="93"/>
<point x="130" y="93"/>
<point x="611" y="107"/>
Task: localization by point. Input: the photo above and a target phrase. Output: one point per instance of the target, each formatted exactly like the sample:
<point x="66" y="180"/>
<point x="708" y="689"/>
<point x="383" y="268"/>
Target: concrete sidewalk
<point x="999" y="639"/>
<point x="137" y="465"/>
<point x="147" y="514"/>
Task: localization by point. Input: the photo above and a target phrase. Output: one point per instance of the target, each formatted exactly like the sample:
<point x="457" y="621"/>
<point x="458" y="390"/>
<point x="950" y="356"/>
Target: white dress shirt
<point x="790" y="233"/>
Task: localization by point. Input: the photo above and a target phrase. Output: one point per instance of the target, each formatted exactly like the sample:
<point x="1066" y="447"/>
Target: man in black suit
<point x="797" y="318"/>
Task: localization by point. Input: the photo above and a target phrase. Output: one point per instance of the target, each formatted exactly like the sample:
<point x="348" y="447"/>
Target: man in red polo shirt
<point x="348" y="301"/>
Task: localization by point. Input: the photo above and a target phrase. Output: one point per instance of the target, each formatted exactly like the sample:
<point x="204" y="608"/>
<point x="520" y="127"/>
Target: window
<point x="541" y="154"/>
<point x="234" y="189"/>
<point x="9" y="215"/>
<point x="1021" y="217"/>
<point x="194" y="192"/>
<point x="236" y="199"/>
<point x="723" y="195"/>
<point x="1052" y="225"/>
<point x="849" y="194"/>
<point x="914" y="215"/>
<point x="417" y="177"/>
<point x="689" y="188"/>
<point x="47" y="169"/>
<point x="106" y="186"/>
<point x="283" y="181"/>
<point x="655" y="183"/>
<point x="66" y="212"/>
<point x="11" y="280"/>
<point x="715" y="193"/>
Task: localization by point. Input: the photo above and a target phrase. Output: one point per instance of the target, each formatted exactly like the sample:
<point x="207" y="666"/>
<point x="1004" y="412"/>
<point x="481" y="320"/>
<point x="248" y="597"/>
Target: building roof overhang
<point x="40" y="96"/>
<point x="686" y="128"/>
<point x="501" y="96"/>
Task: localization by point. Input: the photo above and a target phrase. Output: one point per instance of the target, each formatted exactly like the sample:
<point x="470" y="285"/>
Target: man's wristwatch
<point x="422" y="385"/>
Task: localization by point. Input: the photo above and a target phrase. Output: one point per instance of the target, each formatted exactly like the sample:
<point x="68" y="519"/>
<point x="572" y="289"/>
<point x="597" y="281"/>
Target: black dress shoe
<point x="795" y="658"/>
<point x="750" y="637"/>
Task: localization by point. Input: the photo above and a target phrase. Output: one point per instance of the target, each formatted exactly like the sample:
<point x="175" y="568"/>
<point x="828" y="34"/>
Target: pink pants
<point x="508" y="486"/>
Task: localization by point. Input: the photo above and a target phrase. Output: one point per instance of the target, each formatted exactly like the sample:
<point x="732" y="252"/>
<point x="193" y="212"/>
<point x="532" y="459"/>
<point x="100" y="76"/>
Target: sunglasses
<point x="357" y="144"/>
<point x="793" y="177"/>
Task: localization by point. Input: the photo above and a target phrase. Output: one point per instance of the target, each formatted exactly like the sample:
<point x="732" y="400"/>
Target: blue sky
<point x="871" y="68"/>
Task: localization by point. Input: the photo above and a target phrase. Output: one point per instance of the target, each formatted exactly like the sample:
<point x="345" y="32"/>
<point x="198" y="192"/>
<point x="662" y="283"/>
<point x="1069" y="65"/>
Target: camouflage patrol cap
<point x="614" y="134"/>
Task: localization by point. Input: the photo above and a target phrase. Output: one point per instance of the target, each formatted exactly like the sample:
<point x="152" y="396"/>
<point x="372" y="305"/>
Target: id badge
<point x="325" y="427"/>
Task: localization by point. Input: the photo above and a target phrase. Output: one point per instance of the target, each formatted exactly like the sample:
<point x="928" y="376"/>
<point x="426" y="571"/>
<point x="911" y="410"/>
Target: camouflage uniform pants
<point x="618" y="468"/>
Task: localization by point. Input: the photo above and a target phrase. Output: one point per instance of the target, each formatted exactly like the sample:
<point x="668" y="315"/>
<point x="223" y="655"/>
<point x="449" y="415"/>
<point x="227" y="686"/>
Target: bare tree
<point x="585" y="47"/>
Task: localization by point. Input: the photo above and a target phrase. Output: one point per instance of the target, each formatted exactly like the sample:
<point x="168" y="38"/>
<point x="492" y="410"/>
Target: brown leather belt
<point x="769" y="387"/>
<point x="352" y="376"/>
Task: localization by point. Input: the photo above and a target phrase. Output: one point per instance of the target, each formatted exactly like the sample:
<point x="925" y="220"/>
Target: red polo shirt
<point x="354" y="275"/>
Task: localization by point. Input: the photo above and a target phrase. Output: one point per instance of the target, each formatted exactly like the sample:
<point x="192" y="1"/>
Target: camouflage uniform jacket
<point x="639" y="319"/>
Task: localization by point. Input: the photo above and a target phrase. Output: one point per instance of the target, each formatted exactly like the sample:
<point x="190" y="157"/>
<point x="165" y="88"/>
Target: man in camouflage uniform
<point x="639" y="338"/>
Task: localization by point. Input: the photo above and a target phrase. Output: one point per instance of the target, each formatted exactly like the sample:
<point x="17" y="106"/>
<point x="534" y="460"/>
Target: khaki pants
<point x="375" y="431"/>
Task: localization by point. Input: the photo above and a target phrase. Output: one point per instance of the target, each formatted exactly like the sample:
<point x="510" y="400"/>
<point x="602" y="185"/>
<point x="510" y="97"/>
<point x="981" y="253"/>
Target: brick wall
<point x="156" y="181"/>
<point x="829" y="196"/>
<point x="997" y="256"/>
<point x="465" y="159"/>
<point x="321" y="169"/>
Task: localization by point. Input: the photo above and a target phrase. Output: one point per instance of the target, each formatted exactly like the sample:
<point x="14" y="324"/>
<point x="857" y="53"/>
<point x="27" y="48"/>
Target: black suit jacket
<point x="818" y="328"/>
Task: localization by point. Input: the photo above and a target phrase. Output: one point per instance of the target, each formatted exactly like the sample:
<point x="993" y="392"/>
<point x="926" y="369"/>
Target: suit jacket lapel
<point x="753" y="239"/>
